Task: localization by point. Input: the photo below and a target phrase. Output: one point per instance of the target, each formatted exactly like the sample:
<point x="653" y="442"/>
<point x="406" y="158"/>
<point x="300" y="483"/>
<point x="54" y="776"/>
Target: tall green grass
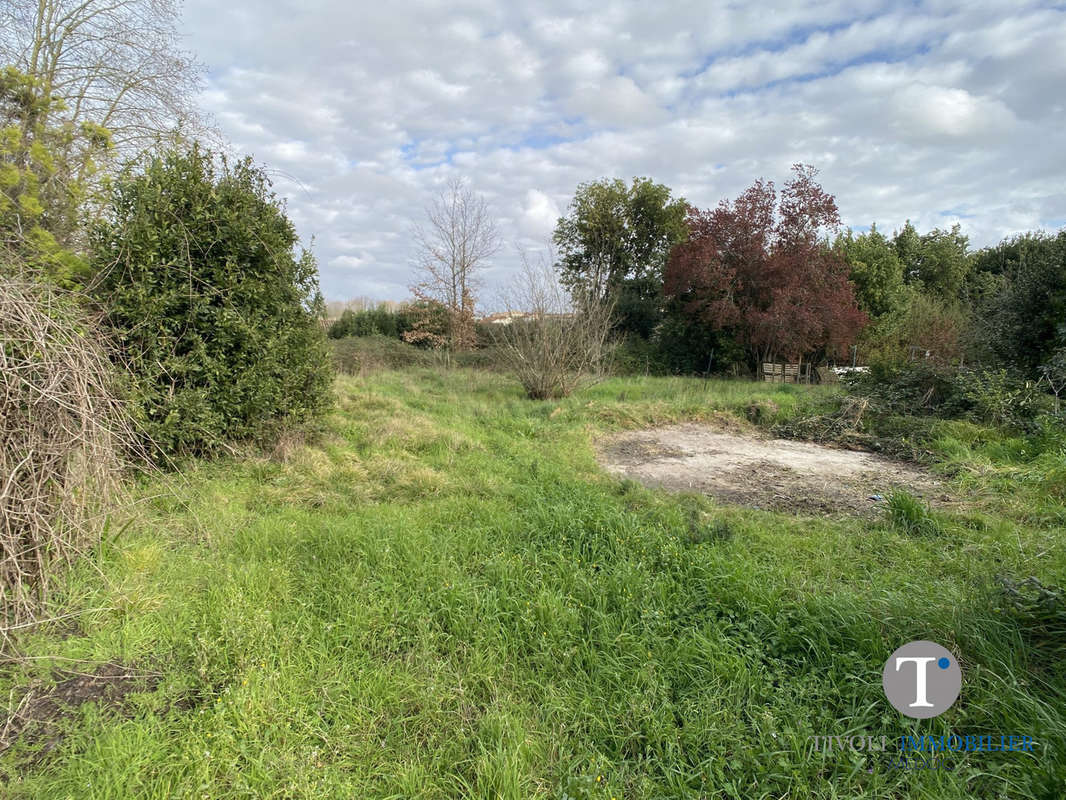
<point x="909" y="515"/>
<point x="446" y="597"/>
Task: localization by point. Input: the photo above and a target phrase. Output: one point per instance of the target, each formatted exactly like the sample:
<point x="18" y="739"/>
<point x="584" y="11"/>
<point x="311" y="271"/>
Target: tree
<point x="431" y="325"/>
<point x="908" y="246"/>
<point x="455" y="244"/>
<point x="876" y="271"/>
<point x="615" y="240"/>
<point x="991" y="267"/>
<point x="1025" y="323"/>
<point x="759" y="266"/>
<point x="113" y="63"/>
<point x="40" y="194"/>
<point x="216" y="312"/>
<point x="937" y="262"/>
<point x="944" y="263"/>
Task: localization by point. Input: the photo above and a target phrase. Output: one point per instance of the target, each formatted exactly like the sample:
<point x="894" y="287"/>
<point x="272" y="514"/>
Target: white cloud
<point x="941" y="111"/>
<point x="539" y="215"/>
<point x="936" y="111"/>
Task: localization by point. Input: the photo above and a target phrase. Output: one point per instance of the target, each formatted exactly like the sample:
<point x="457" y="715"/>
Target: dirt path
<point x="748" y="470"/>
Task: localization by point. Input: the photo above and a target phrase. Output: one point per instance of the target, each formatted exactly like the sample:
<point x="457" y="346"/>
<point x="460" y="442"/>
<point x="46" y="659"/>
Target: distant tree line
<point x="767" y="276"/>
<point x="770" y="276"/>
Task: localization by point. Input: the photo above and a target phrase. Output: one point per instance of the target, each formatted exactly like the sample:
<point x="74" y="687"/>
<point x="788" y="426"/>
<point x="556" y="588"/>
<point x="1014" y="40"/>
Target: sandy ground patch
<point x="749" y="470"/>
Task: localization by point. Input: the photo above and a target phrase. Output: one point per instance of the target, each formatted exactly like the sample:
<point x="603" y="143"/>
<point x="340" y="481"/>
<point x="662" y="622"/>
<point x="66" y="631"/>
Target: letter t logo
<point x="924" y="693"/>
<point x="920" y="666"/>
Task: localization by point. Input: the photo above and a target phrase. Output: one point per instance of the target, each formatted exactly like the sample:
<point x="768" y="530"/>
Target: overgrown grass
<point x="909" y="515"/>
<point x="445" y="597"/>
<point x="361" y="355"/>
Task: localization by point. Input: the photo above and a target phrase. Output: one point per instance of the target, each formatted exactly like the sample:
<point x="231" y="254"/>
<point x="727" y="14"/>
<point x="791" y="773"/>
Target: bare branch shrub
<point x="63" y="436"/>
<point x="555" y="342"/>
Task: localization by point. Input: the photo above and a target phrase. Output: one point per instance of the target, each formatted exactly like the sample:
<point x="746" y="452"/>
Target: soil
<point x="747" y="469"/>
<point x="35" y="718"/>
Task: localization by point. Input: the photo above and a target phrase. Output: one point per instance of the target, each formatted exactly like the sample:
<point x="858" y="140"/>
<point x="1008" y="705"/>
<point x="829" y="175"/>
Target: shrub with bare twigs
<point x="63" y="435"/>
<point x="553" y="341"/>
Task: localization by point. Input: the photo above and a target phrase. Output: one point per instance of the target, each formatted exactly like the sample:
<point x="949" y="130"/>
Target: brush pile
<point x="63" y="435"/>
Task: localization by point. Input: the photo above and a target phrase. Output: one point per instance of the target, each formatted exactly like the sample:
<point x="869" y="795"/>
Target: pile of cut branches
<point x="63" y="437"/>
<point x="844" y="424"/>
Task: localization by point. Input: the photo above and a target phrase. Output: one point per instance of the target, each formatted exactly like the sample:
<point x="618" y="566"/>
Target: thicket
<point x="563" y="342"/>
<point x="360" y="355"/>
<point x="63" y="428"/>
<point x="213" y="305"/>
<point x="994" y="352"/>
<point x="380" y="321"/>
<point x="64" y="433"/>
<point x="982" y="394"/>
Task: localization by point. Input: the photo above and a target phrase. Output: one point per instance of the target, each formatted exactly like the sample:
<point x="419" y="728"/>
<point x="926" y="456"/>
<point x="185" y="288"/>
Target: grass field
<point x="446" y="597"/>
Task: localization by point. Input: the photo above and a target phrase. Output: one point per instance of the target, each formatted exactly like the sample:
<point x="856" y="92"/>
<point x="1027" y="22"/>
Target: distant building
<point x="505" y="317"/>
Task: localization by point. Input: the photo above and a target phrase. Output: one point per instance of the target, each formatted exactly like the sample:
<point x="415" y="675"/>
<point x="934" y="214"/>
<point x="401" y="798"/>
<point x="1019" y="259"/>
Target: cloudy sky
<point x="938" y="112"/>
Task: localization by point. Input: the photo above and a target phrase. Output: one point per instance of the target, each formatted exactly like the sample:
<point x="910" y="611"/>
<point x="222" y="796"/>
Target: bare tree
<point x="553" y="341"/>
<point x="113" y="63"/>
<point x="459" y="236"/>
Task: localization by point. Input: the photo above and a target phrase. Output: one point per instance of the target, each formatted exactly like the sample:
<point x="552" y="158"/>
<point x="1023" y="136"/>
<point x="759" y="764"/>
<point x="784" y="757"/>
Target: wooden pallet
<point x="786" y="373"/>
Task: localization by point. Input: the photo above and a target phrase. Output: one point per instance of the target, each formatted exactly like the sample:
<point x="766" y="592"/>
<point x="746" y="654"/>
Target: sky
<point x="935" y="112"/>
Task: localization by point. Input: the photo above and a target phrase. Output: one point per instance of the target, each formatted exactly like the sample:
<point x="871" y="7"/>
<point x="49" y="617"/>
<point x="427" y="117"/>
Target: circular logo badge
<point x="922" y="679"/>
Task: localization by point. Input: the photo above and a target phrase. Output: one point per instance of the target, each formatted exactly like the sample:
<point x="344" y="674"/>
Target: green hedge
<point x="215" y="309"/>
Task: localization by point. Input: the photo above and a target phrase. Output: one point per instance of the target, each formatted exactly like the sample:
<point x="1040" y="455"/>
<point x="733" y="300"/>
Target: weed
<point x="910" y="516"/>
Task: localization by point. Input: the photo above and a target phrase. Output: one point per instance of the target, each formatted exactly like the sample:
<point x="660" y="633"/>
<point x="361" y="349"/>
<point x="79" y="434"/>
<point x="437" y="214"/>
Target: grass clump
<point x="909" y="515"/>
<point x="1039" y="611"/>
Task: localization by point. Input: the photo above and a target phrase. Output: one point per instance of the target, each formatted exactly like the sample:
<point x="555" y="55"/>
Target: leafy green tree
<point x="41" y="195"/>
<point x="944" y="262"/>
<point x="216" y="311"/>
<point x="908" y="246"/>
<point x="991" y="267"/>
<point x="876" y="271"/>
<point x="615" y="240"/>
<point x="1024" y="324"/>
<point x="937" y="262"/>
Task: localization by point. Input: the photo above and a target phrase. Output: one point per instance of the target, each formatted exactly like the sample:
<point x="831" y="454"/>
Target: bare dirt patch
<point x="36" y="716"/>
<point x="750" y="470"/>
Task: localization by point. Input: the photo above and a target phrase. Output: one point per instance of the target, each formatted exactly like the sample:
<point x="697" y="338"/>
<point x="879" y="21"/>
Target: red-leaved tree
<point x="760" y="266"/>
